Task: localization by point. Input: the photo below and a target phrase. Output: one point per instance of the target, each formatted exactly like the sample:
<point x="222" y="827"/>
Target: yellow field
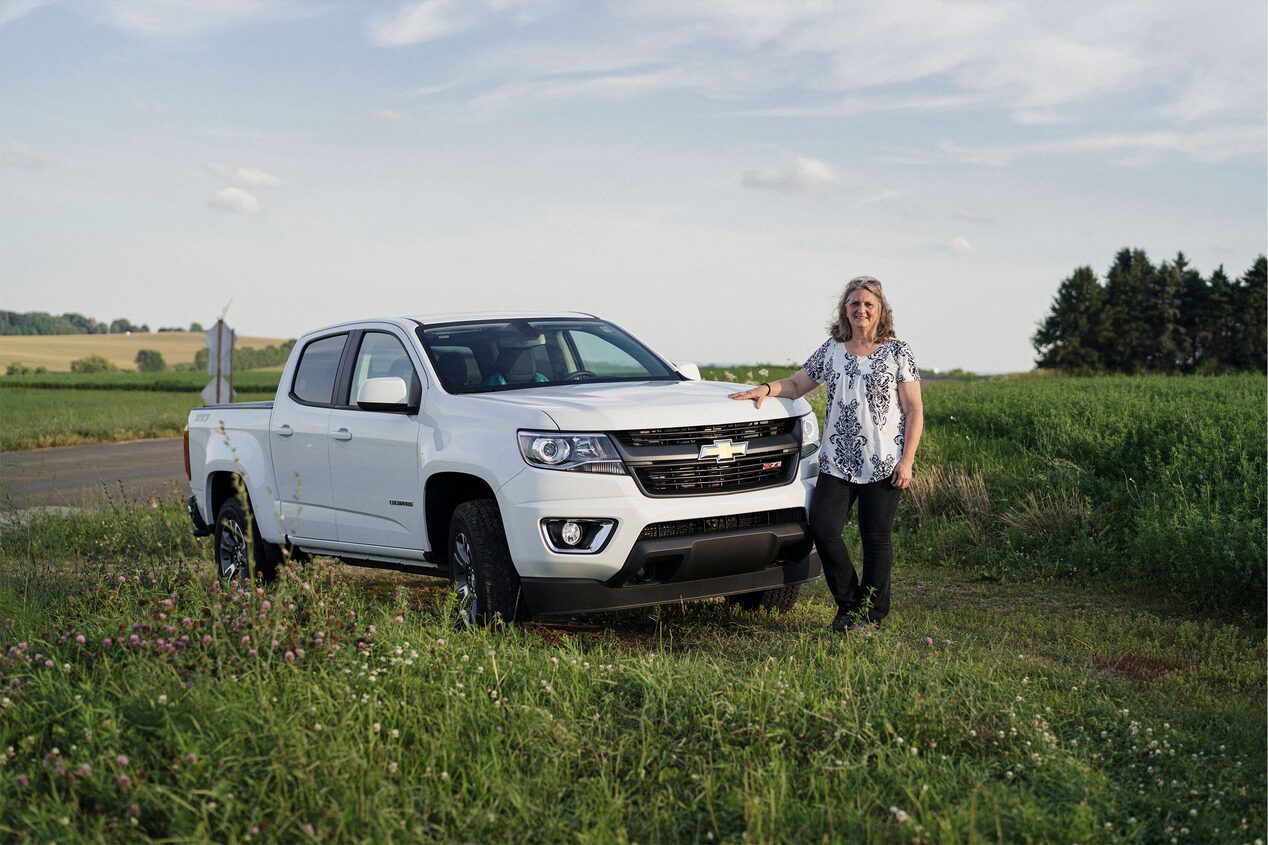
<point x="56" y="351"/>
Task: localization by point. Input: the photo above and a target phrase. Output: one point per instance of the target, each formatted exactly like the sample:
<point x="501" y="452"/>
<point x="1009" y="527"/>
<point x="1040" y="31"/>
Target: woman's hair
<point x="840" y="328"/>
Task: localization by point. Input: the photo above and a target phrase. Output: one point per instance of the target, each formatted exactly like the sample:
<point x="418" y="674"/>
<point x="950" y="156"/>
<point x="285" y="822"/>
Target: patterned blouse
<point x="863" y="434"/>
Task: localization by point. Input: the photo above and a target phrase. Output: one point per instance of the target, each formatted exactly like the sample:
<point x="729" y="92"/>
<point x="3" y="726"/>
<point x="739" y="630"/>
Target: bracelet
<point x="769" y="391"/>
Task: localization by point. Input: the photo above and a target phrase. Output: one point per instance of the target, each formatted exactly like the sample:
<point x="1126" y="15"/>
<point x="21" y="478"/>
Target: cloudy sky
<point x="707" y="173"/>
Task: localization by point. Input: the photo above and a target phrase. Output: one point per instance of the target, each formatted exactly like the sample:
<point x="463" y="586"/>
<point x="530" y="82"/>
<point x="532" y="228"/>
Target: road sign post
<point x="219" y="339"/>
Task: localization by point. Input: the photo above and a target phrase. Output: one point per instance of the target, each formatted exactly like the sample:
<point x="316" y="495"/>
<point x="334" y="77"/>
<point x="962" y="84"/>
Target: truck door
<point x="299" y="437"/>
<point x="374" y="455"/>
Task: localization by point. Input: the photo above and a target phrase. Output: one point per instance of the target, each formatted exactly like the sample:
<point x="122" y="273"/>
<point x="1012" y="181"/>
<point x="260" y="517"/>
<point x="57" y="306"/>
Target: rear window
<point x="318" y="366"/>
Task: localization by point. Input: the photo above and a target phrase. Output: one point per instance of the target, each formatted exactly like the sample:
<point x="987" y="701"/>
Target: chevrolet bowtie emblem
<point x="723" y="450"/>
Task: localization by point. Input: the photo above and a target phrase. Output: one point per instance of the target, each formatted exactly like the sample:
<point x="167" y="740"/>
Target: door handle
<point x="284" y="431"/>
<point x="342" y="434"/>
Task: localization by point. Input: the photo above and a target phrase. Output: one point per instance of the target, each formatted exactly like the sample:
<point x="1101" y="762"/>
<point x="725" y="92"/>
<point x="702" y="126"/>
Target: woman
<point x="874" y="421"/>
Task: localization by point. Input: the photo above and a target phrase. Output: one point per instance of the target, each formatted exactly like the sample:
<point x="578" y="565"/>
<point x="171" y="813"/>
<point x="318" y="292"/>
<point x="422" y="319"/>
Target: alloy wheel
<point x="233" y="550"/>
<point x="464" y="579"/>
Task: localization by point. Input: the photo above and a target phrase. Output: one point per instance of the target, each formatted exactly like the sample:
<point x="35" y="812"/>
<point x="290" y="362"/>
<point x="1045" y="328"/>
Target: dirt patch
<point x="1136" y="668"/>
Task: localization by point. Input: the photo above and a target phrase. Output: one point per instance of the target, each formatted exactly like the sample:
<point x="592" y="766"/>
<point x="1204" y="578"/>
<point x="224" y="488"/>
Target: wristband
<point x="769" y="391"/>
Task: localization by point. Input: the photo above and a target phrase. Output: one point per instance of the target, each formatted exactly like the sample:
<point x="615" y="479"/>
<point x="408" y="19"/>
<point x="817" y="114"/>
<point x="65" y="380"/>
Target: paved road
<point x="138" y="470"/>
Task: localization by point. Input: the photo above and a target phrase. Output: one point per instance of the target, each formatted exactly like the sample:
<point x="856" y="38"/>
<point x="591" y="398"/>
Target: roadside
<point x="98" y="474"/>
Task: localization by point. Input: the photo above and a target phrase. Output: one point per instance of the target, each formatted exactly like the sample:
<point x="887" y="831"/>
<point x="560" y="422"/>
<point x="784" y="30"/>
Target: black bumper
<point x="678" y="569"/>
<point x="201" y="529"/>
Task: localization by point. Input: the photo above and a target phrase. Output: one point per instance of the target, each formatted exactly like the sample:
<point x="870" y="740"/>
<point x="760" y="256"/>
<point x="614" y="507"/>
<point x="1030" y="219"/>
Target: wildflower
<point x="899" y="816"/>
<point x="391" y="767"/>
<point x="191" y="758"/>
<point x="81" y="639"/>
<point x="85" y="770"/>
<point x="6" y="703"/>
<point x="123" y="781"/>
<point x="290" y="655"/>
<point x="134" y="810"/>
<point x="206" y="639"/>
<point x="162" y="701"/>
<point x="928" y="640"/>
<point x="21" y="780"/>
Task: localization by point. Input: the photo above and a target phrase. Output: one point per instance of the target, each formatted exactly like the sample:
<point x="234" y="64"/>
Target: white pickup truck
<point x="547" y="464"/>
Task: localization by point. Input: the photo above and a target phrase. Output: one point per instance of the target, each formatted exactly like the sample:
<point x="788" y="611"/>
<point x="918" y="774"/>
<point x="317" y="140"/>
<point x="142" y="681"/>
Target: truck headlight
<point x="575" y="452"/>
<point x="809" y="435"/>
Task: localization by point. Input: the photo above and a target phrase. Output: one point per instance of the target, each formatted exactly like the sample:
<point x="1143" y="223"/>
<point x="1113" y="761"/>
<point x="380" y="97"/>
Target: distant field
<point x="57" y="351"/>
<point x="34" y="418"/>
<point x="184" y="382"/>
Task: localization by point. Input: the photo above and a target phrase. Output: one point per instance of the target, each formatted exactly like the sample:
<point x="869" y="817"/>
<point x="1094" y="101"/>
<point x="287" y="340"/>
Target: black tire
<point x="484" y="577"/>
<point x="240" y="550"/>
<point x="778" y="600"/>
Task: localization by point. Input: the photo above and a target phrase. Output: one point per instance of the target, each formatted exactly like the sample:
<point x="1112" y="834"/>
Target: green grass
<point x="1151" y="480"/>
<point x="1040" y="712"/>
<point x="247" y="381"/>
<point x="32" y="418"/>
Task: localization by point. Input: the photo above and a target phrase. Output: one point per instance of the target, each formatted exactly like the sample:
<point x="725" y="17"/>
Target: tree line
<point x="40" y="322"/>
<point x="1160" y="319"/>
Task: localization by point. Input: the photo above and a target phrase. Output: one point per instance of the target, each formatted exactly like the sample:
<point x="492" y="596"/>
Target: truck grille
<point x="701" y="435"/>
<point x="695" y="477"/>
<point x="718" y="524"/>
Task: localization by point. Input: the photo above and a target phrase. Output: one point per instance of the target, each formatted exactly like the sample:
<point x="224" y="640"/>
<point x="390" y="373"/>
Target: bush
<point x="92" y="364"/>
<point x="18" y="369"/>
<point x="150" y="361"/>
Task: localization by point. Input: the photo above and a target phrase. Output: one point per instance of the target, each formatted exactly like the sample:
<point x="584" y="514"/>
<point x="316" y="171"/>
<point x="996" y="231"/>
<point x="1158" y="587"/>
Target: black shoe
<point x="841" y="622"/>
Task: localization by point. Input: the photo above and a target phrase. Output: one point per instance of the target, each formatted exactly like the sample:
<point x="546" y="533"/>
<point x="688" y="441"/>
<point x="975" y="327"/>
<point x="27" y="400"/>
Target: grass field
<point x="34" y="418"/>
<point x="1051" y="671"/>
<point x="141" y="699"/>
<point x="57" y="351"/>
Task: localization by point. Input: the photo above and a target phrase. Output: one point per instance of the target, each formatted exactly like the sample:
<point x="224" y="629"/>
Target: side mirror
<point x="688" y="370"/>
<point x="384" y="394"/>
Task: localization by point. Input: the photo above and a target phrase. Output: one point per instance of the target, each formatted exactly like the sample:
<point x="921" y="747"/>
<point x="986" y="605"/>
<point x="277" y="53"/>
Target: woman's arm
<point x="913" y="426"/>
<point x="795" y="386"/>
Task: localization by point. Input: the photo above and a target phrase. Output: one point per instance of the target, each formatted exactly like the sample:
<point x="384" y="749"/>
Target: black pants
<point x="829" y="507"/>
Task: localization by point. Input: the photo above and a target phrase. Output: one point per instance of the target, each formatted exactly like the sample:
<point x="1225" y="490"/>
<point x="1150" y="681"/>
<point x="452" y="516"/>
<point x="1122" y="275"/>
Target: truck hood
<point x="617" y="406"/>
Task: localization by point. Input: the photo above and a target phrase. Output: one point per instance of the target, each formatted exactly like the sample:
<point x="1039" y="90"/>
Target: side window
<point x="603" y="358"/>
<point x="382" y="355"/>
<point x="318" y="366"/>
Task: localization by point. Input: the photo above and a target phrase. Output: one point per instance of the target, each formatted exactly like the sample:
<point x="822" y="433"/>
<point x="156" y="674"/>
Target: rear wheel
<point x="484" y="578"/>
<point x="777" y="600"/>
<point x="240" y="550"/>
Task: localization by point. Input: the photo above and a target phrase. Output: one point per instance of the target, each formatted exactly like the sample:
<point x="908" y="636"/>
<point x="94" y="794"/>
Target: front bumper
<point x="658" y="571"/>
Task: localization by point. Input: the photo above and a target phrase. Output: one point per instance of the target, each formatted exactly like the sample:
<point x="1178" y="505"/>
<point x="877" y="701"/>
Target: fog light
<point x="577" y="535"/>
<point x="570" y="533"/>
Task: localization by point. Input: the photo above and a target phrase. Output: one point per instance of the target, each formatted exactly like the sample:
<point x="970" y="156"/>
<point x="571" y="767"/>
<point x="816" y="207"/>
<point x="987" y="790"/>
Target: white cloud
<point x="20" y="155"/>
<point x="11" y="10"/>
<point x="961" y="246"/>
<point x="429" y="90"/>
<point x="175" y="19"/>
<point x="235" y="200"/>
<point x="389" y="115"/>
<point x="146" y="106"/>
<point x="424" y="20"/>
<point x="248" y="177"/>
<point x="805" y="175"/>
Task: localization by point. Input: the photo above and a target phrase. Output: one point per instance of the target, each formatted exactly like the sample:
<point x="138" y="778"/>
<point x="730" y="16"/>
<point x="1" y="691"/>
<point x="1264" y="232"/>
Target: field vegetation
<point x="1069" y="659"/>
<point x="56" y="352"/>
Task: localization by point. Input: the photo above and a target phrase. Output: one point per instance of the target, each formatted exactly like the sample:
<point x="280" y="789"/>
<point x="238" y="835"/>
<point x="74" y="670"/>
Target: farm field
<point x="57" y="351"/>
<point x="33" y="418"/>
<point x="1076" y="654"/>
<point x="144" y="700"/>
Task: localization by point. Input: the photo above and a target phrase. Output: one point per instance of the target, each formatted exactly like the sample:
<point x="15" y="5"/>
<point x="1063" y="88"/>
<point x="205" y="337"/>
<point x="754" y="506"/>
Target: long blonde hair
<point x="840" y="328"/>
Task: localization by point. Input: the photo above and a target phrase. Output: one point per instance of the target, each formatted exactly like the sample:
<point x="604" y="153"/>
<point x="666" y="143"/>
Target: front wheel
<point x="777" y="600"/>
<point x="240" y="550"/>
<point x="484" y="578"/>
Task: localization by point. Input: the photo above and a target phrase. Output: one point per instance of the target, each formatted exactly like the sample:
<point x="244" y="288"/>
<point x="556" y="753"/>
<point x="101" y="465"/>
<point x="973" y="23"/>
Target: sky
<point x="706" y="173"/>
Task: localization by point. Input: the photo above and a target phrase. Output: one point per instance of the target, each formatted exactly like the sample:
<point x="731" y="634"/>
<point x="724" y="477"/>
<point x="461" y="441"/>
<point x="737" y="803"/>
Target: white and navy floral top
<point x="863" y="433"/>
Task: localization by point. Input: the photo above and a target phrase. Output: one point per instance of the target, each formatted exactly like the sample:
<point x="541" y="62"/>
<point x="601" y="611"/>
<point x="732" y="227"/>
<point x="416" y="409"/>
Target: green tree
<point x="1070" y="337"/>
<point x="92" y="364"/>
<point x="1250" y="339"/>
<point x="1163" y="295"/>
<point x="150" y="361"/>
<point x="196" y="327"/>
<point x="1128" y="341"/>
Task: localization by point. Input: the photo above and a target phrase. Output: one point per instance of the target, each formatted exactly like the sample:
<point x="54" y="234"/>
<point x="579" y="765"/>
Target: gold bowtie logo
<point x="723" y="450"/>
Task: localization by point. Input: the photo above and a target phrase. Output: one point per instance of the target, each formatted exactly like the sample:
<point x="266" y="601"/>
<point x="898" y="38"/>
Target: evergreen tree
<point x="1250" y="342"/>
<point x="1220" y="321"/>
<point x="1070" y="337"/>
<point x="1163" y="295"/>
<point x="1128" y="342"/>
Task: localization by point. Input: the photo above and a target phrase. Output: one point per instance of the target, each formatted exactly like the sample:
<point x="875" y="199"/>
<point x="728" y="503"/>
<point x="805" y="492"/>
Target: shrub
<point x="92" y="364"/>
<point x="17" y="368"/>
<point x="150" y="361"/>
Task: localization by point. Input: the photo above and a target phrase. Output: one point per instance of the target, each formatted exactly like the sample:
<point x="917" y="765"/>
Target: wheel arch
<point x="224" y="482"/>
<point x="442" y="494"/>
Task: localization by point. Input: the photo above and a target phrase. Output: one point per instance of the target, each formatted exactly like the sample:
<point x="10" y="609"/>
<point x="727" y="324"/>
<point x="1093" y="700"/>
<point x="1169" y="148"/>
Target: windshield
<point x="479" y="357"/>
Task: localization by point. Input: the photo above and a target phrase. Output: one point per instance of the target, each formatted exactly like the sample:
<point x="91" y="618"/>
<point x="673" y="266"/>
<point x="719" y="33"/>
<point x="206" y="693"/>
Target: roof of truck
<point x="455" y="317"/>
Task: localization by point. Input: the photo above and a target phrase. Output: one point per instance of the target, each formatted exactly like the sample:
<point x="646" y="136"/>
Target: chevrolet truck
<point x="545" y="463"/>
